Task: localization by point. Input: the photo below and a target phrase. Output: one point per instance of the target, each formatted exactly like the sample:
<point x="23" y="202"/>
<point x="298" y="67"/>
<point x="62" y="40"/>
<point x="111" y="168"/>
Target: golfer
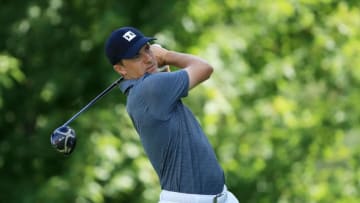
<point x="172" y="138"/>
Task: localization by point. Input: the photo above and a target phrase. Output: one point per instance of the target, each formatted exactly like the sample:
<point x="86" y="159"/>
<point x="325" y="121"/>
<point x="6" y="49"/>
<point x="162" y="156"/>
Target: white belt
<point x="177" y="197"/>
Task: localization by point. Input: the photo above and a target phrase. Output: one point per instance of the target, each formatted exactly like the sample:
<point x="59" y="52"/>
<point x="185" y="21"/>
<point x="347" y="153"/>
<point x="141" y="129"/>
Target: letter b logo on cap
<point x="129" y="36"/>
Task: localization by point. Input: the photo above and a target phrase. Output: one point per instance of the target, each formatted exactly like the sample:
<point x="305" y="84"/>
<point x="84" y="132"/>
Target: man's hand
<point x="159" y="54"/>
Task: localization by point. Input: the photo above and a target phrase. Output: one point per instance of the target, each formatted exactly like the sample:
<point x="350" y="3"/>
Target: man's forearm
<point x="197" y="68"/>
<point x="182" y="60"/>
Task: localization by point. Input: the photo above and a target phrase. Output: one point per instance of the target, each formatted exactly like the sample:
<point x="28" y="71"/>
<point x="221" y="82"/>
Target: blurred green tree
<point x="280" y="110"/>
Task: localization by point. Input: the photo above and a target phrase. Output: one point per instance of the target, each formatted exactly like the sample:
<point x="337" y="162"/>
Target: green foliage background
<point x="281" y="108"/>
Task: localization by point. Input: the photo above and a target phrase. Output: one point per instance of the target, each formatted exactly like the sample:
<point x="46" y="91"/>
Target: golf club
<point x="63" y="139"/>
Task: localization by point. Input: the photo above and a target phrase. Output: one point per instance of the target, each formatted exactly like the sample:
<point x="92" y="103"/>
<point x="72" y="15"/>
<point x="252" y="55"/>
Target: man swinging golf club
<point x="172" y="138"/>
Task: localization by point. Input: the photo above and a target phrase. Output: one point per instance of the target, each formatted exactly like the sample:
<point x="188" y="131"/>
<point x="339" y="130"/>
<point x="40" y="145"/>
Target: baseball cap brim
<point x="134" y="50"/>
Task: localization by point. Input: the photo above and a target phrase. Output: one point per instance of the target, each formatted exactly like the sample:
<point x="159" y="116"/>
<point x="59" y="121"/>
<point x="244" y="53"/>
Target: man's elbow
<point x="209" y="70"/>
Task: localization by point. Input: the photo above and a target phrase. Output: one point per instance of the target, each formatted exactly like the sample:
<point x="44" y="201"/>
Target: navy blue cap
<point x="124" y="43"/>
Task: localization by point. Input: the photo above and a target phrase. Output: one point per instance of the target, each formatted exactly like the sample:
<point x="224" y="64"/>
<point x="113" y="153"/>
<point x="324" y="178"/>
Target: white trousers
<point x="176" y="197"/>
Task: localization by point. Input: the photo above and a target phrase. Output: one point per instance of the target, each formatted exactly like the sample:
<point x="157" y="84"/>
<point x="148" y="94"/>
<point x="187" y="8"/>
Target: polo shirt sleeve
<point x="164" y="91"/>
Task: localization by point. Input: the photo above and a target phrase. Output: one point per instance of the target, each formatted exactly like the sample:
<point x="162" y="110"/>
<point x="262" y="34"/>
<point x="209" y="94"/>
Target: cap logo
<point x="129" y="36"/>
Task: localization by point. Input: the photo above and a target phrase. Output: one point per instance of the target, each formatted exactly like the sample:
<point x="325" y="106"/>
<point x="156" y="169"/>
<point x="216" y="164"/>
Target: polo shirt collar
<point x="126" y="85"/>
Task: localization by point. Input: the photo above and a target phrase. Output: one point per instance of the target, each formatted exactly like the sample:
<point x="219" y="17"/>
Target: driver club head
<point x="63" y="139"/>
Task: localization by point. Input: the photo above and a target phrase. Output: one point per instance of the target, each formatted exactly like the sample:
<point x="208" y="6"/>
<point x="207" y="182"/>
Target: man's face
<point x="136" y="67"/>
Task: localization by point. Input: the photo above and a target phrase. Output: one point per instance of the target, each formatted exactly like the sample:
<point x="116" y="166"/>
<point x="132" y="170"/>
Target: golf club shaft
<point x="103" y="93"/>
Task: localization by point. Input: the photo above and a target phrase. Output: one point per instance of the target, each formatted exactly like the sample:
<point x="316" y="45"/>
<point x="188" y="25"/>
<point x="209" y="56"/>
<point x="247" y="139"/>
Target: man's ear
<point x="119" y="69"/>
